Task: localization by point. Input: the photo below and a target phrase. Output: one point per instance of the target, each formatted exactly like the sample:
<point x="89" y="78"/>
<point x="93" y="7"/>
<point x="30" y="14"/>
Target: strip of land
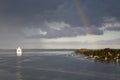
<point x="106" y="54"/>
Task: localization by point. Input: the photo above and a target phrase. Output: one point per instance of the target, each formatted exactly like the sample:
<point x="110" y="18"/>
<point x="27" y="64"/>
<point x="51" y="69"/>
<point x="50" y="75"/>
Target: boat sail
<point x="19" y="51"/>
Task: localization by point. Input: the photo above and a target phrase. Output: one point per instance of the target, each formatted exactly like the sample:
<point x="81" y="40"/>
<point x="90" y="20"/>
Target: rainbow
<point x="84" y="16"/>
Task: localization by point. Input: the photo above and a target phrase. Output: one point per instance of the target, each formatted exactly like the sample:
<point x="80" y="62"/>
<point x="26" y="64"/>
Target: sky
<point x="59" y="24"/>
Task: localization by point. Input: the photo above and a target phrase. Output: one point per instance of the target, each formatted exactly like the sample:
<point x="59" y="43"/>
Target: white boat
<point x="19" y="51"/>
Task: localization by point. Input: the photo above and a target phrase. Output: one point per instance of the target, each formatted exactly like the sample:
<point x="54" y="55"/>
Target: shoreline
<point x="106" y="54"/>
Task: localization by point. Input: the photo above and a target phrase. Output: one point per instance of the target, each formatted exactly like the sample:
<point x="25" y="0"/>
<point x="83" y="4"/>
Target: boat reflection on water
<point x="18" y="69"/>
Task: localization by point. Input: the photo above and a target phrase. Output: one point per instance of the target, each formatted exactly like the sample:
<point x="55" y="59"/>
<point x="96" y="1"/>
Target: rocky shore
<point x="106" y="54"/>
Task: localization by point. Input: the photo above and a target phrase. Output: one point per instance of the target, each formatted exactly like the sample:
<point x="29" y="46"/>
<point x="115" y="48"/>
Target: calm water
<point x="54" y="65"/>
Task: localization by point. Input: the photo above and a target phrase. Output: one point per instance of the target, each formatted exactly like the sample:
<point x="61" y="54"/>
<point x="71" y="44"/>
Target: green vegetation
<point x="101" y="54"/>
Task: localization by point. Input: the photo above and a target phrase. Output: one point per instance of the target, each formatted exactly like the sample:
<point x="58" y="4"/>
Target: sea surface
<point x="55" y="65"/>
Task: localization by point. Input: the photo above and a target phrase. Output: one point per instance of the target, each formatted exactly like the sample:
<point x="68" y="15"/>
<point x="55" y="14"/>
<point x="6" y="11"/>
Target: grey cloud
<point x="111" y="25"/>
<point x="67" y="32"/>
<point x="96" y="31"/>
<point x="54" y="30"/>
<point x="33" y="31"/>
<point x="108" y="42"/>
<point x="113" y="29"/>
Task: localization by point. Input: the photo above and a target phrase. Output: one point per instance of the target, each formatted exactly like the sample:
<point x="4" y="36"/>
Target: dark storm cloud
<point x="111" y="24"/>
<point x="66" y="32"/>
<point x="114" y="29"/>
<point x="27" y="7"/>
<point x="57" y="30"/>
<point x="97" y="9"/>
<point x="19" y="14"/>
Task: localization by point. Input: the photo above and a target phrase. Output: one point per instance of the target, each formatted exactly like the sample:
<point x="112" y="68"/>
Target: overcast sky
<point x="59" y="23"/>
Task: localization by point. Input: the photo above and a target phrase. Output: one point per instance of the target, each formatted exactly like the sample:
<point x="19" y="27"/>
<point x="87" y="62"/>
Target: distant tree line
<point x="103" y="54"/>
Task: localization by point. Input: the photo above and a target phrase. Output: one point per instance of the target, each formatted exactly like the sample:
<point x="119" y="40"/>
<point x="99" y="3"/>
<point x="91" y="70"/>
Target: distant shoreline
<point x="39" y="50"/>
